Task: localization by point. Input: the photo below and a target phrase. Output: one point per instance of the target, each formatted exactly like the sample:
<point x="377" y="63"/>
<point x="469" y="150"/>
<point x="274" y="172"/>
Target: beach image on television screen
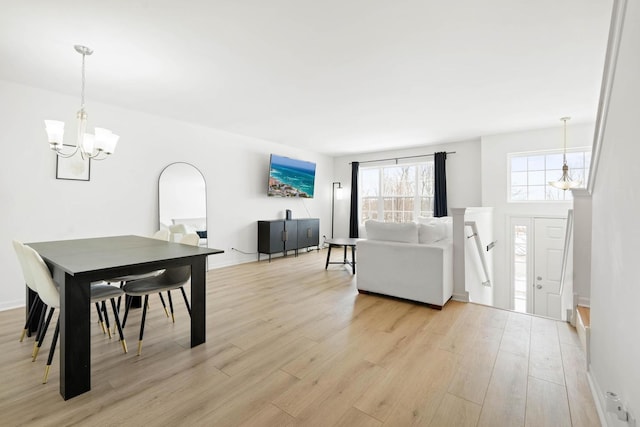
<point x="291" y="177"/>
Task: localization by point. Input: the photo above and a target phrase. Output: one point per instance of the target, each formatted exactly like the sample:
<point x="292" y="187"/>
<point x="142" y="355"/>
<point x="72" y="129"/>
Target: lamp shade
<point x="55" y="132"/>
<point x="106" y="140"/>
<point x="88" y="143"/>
<point x="101" y="137"/>
<point x="565" y="182"/>
<point x="110" y="143"/>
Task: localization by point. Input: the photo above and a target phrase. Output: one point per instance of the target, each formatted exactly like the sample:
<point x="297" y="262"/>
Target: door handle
<point x="539" y="286"/>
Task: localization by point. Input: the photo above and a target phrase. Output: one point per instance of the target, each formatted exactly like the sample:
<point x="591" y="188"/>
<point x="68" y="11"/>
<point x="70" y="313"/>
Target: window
<point x="397" y="193"/>
<point x="520" y="256"/>
<point x="530" y="173"/>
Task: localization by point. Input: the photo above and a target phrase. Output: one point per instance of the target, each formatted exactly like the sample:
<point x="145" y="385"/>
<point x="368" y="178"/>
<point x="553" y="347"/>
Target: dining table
<point x="75" y="264"/>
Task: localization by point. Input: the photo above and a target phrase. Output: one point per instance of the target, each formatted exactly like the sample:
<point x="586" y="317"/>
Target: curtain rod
<point x="400" y="158"/>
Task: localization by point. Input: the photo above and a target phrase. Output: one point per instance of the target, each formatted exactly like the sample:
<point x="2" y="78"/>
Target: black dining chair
<point x="163" y="234"/>
<point x="170" y="279"/>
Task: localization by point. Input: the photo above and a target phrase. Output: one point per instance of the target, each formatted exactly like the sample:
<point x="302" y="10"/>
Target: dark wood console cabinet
<point x="283" y="235"/>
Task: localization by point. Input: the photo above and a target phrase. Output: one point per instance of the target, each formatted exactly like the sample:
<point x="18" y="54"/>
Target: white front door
<point x="549" y="245"/>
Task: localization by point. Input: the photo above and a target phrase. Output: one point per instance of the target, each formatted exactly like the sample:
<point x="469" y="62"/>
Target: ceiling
<point x="332" y="76"/>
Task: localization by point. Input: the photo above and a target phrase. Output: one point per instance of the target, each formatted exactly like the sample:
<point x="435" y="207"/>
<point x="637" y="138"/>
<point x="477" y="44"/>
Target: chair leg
<point x="44" y="331"/>
<point x="173" y="318"/>
<point x="186" y="300"/>
<point x="120" y="298"/>
<point x="100" y="318"/>
<point x="117" y="321"/>
<point x="163" y="304"/>
<point x="43" y="313"/>
<point x="106" y="318"/>
<point x="144" y="316"/>
<point x="51" y="351"/>
<point x="128" y="300"/>
<point x="32" y="311"/>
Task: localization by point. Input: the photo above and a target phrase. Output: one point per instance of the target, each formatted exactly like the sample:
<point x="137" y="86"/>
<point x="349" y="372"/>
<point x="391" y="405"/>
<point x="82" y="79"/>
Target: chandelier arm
<point x="64" y="155"/>
<point x="97" y="154"/>
<point x="92" y="155"/>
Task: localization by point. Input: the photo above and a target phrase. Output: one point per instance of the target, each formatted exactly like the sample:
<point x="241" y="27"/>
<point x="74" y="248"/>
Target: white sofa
<point x="409" y="261"/>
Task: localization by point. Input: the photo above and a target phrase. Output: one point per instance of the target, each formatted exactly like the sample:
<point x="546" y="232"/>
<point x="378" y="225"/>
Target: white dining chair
<point x="50" y="295"/>
<point x="28" y="279"/>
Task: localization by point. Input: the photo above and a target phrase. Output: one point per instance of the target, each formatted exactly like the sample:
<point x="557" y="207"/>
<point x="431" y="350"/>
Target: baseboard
<point x="9" y="305"/>
<point x="231" y="263"/>
<point x="460" y="297"/>
<point x="596" y="393"/>
<point x="606" y="418"/>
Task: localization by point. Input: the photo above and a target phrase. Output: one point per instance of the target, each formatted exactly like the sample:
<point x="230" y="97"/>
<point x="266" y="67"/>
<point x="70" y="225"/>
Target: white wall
<point x="463" y="176"/>
<point x="122" y="196"/>
<point x="582" y="225"/>
<point x="495" y="149"/>
<point x="615" y="282"/>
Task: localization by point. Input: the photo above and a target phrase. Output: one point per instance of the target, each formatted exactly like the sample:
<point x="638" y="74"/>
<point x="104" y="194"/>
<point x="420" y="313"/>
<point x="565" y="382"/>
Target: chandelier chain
<point x="564" y="153"/>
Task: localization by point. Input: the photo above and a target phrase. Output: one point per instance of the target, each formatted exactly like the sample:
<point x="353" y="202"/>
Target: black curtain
<point x="353" y="216"/>
<point x="440" y="184"/>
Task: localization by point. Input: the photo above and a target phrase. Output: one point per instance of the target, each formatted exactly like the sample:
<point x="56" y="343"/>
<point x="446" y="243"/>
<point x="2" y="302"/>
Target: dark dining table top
<point x="102" y="253"/>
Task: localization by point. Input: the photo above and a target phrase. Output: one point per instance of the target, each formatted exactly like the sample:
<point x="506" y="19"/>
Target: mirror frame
<point x="206" y="205"/>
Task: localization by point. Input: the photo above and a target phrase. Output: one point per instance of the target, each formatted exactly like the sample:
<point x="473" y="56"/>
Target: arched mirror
<point x="182" y="201"/>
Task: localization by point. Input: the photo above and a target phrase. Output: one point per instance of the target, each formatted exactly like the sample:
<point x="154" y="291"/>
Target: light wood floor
<point x="289" y="343"/>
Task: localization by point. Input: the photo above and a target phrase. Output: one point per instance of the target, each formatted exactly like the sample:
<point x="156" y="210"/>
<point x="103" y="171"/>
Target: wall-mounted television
<point x="291" y="177"/>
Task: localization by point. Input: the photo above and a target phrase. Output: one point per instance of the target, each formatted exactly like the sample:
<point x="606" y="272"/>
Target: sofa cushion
<point x="429" y="233"/>
<point x="444" y="225"/>
<point x="392" y="231"/>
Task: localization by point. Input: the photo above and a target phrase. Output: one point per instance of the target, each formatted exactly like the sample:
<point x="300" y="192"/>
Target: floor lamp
<point x="334" y="193"/>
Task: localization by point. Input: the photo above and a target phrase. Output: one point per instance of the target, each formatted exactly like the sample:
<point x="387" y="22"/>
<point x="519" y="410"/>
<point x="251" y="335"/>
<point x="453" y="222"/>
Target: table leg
<point x="75" y="336"/>
<point x="353" y="258"/>
<point x="198" y="301"/>
<point x="328" y="257"/>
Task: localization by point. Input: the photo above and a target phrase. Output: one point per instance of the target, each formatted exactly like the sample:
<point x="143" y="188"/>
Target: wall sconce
<point x="336" y="192"/>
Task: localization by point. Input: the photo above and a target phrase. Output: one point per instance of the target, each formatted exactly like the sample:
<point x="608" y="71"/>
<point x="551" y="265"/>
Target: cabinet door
<point x="291" y="235"/>
<point x="308" y="232"/>
<point x="270" y="236"/>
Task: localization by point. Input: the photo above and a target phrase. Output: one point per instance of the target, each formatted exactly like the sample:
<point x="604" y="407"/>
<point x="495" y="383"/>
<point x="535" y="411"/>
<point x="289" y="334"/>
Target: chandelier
<point x="565" y="182"/>
<point x="97" y="146"/>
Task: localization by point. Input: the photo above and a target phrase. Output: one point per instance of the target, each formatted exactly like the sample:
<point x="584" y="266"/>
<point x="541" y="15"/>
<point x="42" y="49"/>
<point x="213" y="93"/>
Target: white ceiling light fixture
<point x="565" y="182"/>
<point x="96" y="146"/>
